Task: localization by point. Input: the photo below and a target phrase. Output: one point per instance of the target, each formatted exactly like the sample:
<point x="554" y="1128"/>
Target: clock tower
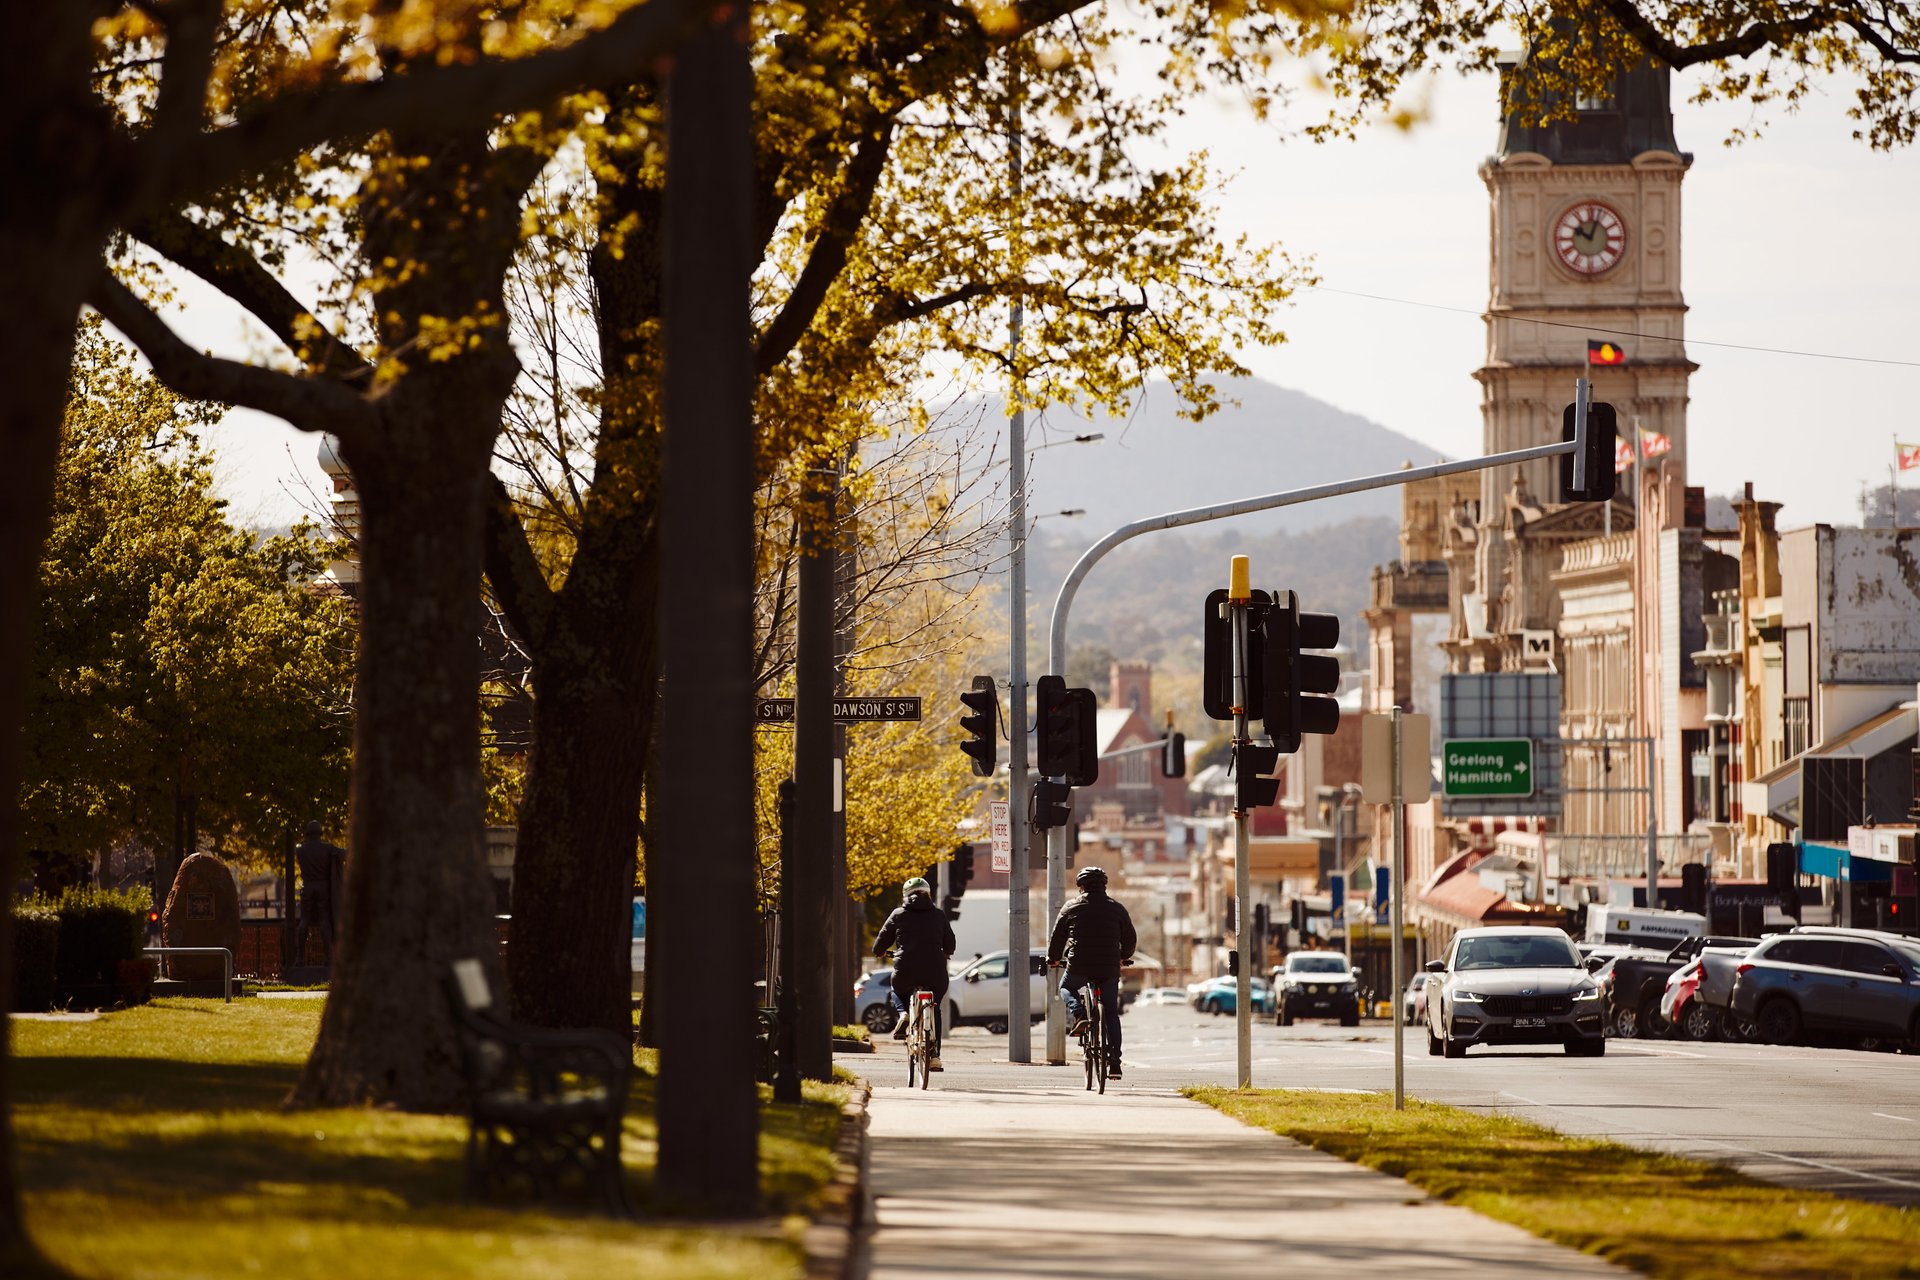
<point x="1585" y="245"/>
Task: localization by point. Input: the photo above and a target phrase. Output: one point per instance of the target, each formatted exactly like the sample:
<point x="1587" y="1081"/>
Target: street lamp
<point x="1070" y="511"/>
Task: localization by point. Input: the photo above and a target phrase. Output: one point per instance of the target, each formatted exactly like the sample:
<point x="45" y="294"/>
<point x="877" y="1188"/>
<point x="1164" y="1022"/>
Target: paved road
<point x="1833" y="1119"/>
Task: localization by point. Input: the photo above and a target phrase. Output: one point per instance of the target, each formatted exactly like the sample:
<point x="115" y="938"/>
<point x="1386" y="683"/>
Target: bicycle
<point x="920" y="1042"/>
<point x="1093" y="1038"/>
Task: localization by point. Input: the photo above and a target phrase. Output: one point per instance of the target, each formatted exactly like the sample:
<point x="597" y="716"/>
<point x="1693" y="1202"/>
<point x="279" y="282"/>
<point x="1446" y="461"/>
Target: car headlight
<point x="1586" y="993"/>
<point x="1467" y="996"/>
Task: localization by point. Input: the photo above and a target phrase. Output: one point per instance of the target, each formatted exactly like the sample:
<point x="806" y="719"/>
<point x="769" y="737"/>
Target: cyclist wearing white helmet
<point x="921" y="939"/>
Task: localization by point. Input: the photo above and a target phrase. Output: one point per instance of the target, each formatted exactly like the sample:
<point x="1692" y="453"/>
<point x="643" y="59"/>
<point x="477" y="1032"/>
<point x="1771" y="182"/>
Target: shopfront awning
<point x="1835" y="863"/>
<point x="1776" y="792"/>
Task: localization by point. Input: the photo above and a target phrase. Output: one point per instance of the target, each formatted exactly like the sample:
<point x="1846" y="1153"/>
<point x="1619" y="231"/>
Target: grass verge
<point x="153" y="1147"/>
<point x="853" y="1031"/>
<point x="1663" y="1215"/>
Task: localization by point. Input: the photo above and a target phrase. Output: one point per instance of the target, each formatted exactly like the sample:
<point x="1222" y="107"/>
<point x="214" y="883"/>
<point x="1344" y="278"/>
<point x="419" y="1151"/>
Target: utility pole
<point x="1239" y="600"/>
<point x="811" y="868"/>
<point x="1395" y="889"/>
<point x="1019" y="986"/>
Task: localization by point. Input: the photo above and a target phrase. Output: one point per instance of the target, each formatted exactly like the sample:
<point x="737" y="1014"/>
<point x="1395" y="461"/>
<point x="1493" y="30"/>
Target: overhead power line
<point x="1478" y="313"/>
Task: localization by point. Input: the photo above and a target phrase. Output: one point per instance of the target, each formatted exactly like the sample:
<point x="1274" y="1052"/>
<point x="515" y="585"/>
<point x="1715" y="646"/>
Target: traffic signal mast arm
<point x="1063" y="602"/>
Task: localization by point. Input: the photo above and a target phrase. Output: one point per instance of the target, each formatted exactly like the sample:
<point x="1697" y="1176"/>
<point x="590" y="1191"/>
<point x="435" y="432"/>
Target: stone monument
<point x="203" y="910"/>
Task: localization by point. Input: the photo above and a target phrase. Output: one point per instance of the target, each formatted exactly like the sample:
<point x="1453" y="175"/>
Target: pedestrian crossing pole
<point x="1239" y="608"/>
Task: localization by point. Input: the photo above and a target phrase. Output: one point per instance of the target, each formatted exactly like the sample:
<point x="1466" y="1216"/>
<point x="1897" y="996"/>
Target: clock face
<point x="1589" y="238"/>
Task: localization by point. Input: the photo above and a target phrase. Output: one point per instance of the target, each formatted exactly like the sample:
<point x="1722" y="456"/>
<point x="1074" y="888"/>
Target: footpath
<point x="1009" y="1171"/>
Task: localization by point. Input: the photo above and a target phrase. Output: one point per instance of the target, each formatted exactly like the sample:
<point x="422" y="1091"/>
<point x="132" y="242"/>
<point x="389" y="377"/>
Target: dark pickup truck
<point x="1639" y="981"/>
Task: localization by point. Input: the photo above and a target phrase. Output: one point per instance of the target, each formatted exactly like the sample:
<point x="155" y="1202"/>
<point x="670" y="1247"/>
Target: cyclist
<point x="921" y="938"/>
<point x="1094" y="936"/>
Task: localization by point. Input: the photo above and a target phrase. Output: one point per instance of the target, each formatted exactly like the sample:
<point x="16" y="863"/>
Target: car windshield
<point x="1910" y="952"/>
<point x="1515" y="951"/>
<point x="1316" y="964"/>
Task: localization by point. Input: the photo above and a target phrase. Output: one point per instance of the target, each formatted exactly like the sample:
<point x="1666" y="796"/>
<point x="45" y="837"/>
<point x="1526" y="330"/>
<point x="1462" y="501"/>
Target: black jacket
<point x="1093" y="934"/>
<point x="920" y="932"/>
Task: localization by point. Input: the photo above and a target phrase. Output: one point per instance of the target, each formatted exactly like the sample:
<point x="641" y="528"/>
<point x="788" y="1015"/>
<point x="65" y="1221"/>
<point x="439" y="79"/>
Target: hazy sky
<point x="1802" y="241"/>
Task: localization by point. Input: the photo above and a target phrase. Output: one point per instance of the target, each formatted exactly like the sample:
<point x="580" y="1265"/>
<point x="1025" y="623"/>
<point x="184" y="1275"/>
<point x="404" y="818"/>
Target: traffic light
<point x="1260" y="920"/>
<point x="982" y="745"/>
<point x="1049" y="804"/>
<point x="1300" y="918"/>
<point x="1596" y="447"/>
<point x="1252" y="788"/>
<point x="1233" y="916"/>
<point x="1068" y="746"/>
<point x="1693" y="888"/>
<point x="1294" y="678"/>
<point x="960" y="870"/>
<point x="1216" y="655"/>
<point x="1173" y="756"/>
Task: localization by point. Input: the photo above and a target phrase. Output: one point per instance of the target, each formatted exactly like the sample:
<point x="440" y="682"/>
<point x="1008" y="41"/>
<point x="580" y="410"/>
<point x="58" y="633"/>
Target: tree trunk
<point x="700" y="890"/>
<point x="40" y="294"/>
<point x="417" y="895"/>
<point x="569" y="960"/>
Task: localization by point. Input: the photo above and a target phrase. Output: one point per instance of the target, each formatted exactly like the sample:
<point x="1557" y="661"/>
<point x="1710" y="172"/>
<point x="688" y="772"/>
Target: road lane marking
<point x="1663" y="1053"/>
<point x="1730" y="1146"/>
<point x="1884" y="1116"/>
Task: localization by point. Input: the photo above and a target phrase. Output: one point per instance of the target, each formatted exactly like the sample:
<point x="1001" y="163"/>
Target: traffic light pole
<point x="1019" y="1015"/>
<point x="1239" y="597"/>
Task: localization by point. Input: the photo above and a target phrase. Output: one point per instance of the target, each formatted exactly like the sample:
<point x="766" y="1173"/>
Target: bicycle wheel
<point x="926" y="1043"/>
<point x="913" y="1043"/>
<point x="1099" y="1025"/>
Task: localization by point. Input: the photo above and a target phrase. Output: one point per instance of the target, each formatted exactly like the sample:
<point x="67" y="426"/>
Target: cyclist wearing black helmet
<point x="1094" y="936"/>
<point x="922" y="939"/>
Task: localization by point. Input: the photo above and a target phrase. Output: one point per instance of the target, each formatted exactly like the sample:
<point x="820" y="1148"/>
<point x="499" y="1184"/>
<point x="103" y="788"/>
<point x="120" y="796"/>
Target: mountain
<point x="1264" y="440"/>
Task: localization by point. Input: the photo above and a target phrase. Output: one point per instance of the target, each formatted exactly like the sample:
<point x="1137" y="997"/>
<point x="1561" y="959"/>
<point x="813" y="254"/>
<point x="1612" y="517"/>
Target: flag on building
<point x="1653" y="444"/>
<point x="1909" y="455"/>
<point x="1622" y="455"/>
<point x="1602" y="352"/>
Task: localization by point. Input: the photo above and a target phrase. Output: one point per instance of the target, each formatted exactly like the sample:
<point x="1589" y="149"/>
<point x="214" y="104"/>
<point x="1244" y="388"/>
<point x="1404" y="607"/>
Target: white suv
<point x="977" y="995"/>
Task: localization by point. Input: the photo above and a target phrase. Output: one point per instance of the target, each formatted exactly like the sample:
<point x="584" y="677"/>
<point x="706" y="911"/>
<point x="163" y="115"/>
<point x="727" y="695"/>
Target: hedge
<point x="36" y="943"/>
<point x="99" y="928"/>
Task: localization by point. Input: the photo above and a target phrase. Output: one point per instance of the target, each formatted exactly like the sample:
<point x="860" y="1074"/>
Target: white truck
<point x="1639" y="927"/>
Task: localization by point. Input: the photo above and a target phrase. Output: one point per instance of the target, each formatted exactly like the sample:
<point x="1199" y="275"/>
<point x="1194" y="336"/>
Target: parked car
<point x="1162" y="995"/>
<point x="1517" y="984"/>
<point x="1317" y="984"/>
<point x="873" y="1003"/>
<point x="1222" y="995"/>
<point x="1415" y="1000"/>
<point x="1717" y="966"/>
<point x="977" y="995"/>
<point x="1855" y="982"/>
<point x="1633" y="999"/>
<point x="1682" y="1009"/>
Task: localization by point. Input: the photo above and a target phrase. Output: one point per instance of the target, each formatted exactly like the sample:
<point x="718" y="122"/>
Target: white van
<point x="1639" y="927"/>
<point x="977" y="995"/>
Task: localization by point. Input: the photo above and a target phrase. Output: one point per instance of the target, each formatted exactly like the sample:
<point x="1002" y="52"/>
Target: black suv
<point x="1851" y="981"/>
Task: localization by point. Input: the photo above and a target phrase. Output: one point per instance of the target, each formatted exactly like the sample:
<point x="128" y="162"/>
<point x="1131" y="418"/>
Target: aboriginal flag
<point x="1601" y="352"/>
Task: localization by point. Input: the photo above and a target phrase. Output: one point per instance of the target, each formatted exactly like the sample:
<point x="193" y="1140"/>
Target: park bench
<point x="544" y="1106"/>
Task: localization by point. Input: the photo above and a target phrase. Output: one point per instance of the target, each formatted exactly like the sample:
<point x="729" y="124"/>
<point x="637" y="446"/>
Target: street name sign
<point x="845" y="710"/>
<point x="1487" y="767"/>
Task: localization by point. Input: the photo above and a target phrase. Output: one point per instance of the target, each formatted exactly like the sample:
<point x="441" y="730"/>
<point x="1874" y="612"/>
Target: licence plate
<point x="1529" y="1022"/>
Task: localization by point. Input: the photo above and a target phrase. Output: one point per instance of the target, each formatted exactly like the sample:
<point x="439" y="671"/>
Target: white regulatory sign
<point x="1002" y="835"/>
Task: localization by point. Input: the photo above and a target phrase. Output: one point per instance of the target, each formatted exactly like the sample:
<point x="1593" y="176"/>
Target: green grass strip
<point x="153" y="1146"/>
<point x="1663" y="1215"/>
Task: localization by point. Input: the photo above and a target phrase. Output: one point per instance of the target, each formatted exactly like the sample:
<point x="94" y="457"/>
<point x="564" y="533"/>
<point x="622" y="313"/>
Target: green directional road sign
<point x="1487" y="767"/>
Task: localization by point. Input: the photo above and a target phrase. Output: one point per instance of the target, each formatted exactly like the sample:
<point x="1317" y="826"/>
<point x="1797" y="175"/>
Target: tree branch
<point x="1755" y="38"/>
<point x="426" y="98"/>
<point x="185" y="67"/>
<point x="237" y="273"/>
<point x="838" y="229"/>
<point x="307" y="403"/>
<point x="514" y="572"/>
